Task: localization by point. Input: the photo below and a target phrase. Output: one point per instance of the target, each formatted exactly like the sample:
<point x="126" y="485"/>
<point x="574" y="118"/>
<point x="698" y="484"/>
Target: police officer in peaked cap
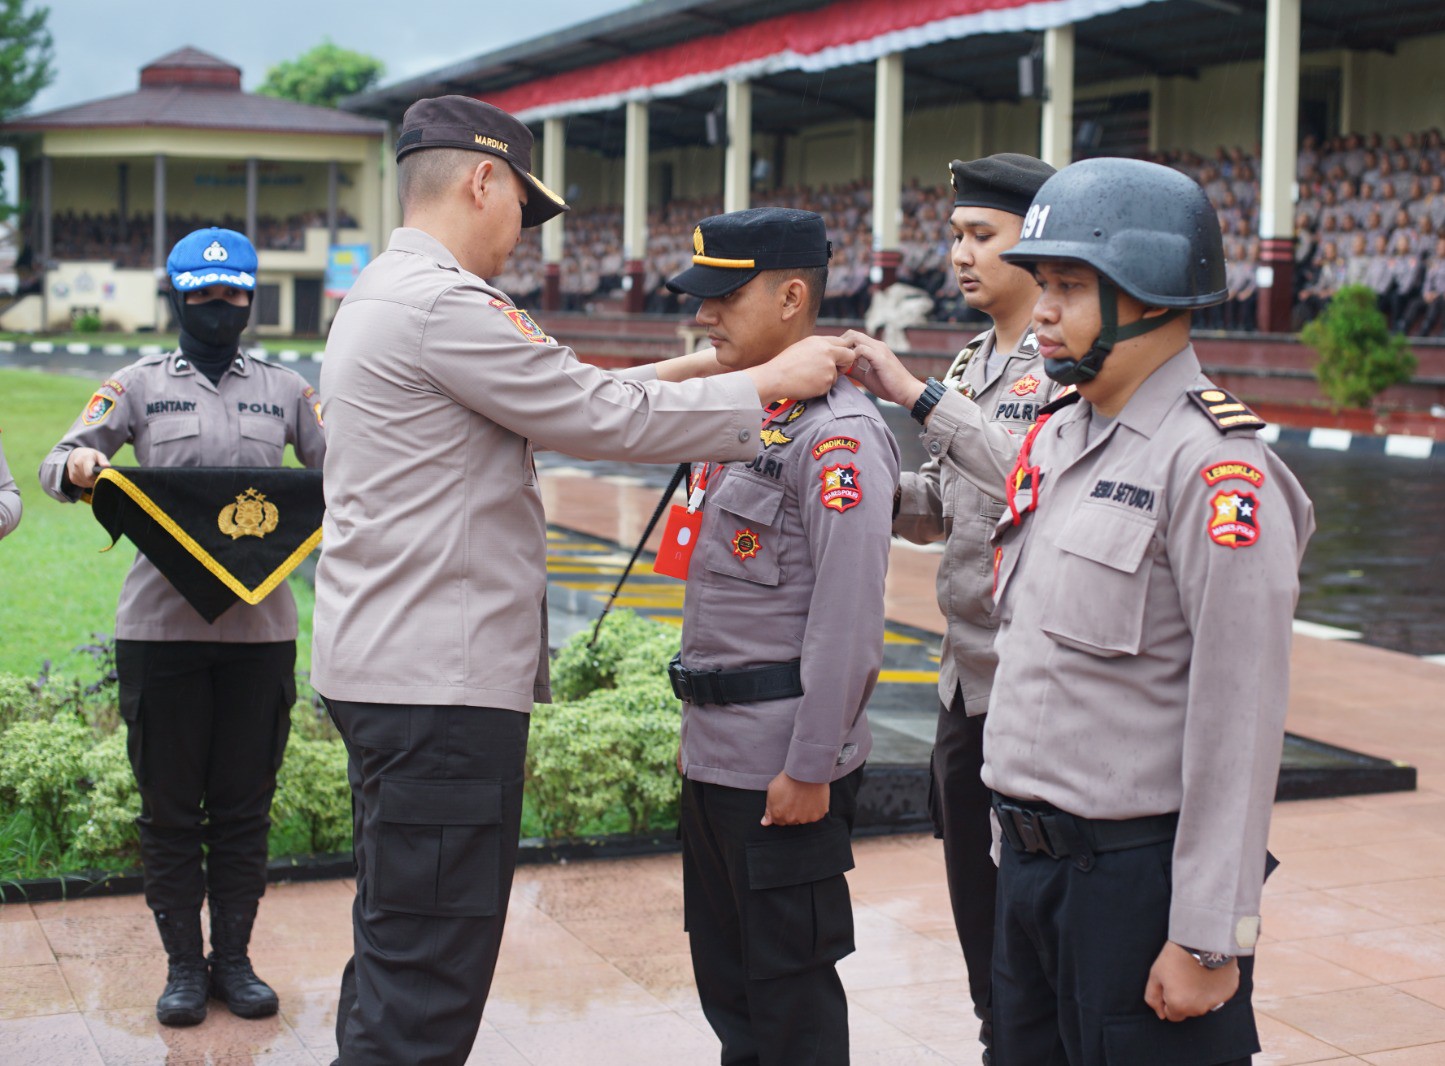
<point x="206" y="704"/>
<point x="782" y="640"/>
<point x="1146" y="578"/>
<point x="973" y="423"/>
<point x="430" y="641"/>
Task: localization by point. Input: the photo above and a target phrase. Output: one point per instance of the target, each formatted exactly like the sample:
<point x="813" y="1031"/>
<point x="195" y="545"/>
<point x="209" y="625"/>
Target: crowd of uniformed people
<point x="1118" y="578"/>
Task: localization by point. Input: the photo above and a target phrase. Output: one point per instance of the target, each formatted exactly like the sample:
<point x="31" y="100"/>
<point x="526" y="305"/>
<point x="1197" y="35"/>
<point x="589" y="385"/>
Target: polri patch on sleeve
<point x="97" y="410"/>
<point x="523" y="321"/>
<point x="114" y="386"/>
<point x="841" y="489"/>
<point x="1214" y="473"/>
<point x="1224" y="410"/>
<point x="1234" y="519"/>
<point x="832" y="444"/>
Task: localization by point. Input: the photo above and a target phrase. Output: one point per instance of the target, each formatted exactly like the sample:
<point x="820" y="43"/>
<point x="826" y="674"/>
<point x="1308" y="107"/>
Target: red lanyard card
<point x="679" y="537"/>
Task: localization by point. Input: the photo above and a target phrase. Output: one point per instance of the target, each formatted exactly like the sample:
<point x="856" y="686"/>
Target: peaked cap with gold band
<point x="465" y="122"/>
<point x="217" y="534"/>
<point x="730" y="250"/>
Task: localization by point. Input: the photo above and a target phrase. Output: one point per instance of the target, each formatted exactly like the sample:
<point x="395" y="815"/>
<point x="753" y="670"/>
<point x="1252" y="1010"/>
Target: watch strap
<point x="933" y="391"/>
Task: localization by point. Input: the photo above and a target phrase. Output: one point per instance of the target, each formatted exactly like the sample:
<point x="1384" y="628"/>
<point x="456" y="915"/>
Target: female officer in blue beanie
<point x="206" y="704"/>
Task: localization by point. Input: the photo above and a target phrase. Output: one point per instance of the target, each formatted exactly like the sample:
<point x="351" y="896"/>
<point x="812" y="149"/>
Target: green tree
<point x="26" y="51"/>
<point x="323" y="75"/>
<point x="1359" y="356"/>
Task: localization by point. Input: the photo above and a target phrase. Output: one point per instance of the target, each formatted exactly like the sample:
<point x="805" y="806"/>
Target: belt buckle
<point x="1033" y="830"/>
<point x="677" y="675"/>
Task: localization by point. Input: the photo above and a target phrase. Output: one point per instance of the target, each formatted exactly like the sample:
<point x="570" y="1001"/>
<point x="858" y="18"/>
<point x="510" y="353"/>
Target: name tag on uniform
<point x="679" y="537"/>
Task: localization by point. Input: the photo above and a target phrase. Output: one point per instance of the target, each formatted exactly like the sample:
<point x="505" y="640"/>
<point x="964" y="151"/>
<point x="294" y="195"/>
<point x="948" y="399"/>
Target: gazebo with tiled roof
<point x="210" y="153"/>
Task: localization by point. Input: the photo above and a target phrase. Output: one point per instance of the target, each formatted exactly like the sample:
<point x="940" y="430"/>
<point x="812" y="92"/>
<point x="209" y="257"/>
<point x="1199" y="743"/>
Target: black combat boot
<point x="184" y="1000"/>
<point x="233" y="981"/>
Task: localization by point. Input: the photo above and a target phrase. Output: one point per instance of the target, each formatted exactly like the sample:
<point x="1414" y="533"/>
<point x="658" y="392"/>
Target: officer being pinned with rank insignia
<point x="782" y="641"/>
<point x="1146" y="577"/>
<point x="973" y="423"/>
<point x="206" y="698"/>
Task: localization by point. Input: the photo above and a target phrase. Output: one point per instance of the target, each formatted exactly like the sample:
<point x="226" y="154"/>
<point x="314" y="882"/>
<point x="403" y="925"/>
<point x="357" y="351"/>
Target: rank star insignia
<point x="252" y="515"/>
<point x="1027" y="385"/>
<point x="1234" y="519"/>
<point x="841" y="489"/>
<point x="774" y="436"/>
<point x="745" y="544"/>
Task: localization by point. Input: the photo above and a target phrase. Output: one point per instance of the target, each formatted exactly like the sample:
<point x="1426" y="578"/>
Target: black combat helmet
<point x="1148" y="231"/>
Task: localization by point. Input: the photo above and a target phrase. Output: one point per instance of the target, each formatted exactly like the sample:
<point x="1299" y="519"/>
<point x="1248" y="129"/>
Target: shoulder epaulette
<point x="1059" y="402"/>
<point x="963" y="358"/>
<point x="1224" y="410"/>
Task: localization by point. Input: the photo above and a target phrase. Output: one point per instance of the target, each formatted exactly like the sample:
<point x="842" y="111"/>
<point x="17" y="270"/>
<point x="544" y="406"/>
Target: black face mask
<point x="215" y="323"/>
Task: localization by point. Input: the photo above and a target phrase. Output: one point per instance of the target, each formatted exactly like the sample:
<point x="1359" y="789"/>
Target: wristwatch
<point x="1210" y="960"/>
<point x="933" y="391"/>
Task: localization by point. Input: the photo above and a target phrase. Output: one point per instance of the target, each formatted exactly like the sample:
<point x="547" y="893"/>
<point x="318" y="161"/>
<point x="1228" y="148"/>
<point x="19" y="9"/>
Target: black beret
<point x="730" y="250"/>
<point x="465" y="122"/>
<point x="1004" y="182"/>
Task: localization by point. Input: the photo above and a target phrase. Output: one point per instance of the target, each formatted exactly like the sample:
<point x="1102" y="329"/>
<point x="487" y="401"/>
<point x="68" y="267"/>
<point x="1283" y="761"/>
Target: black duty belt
<point x="775" y="681"/>
<point x="1037" y="828"/>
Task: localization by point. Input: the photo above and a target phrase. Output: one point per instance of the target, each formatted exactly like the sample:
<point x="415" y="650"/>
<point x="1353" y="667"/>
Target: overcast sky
<point x="100" y="45"/>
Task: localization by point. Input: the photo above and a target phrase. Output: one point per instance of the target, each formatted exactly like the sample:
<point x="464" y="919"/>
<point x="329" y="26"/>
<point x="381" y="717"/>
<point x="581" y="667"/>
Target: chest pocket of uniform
<point x="263" y="440"/>
<point x="746" y="538"/>
<point x="1097" y="604"/>
<point x="174" y="428"/>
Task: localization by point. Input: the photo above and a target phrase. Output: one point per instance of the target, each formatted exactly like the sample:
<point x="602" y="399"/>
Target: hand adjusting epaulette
<point x="1224" y="410"/>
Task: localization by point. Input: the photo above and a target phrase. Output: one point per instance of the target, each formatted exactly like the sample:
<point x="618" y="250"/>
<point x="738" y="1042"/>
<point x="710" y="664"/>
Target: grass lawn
<point x="167" y="341"/>
<point x="56" y="585"/>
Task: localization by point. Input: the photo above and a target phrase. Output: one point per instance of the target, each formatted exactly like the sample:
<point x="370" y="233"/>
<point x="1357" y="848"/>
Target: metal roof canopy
<point x="1170" y="38"/>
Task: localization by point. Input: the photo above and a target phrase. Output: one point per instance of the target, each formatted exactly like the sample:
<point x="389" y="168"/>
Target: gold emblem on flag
<point x="697" y="240"/>
<point x="252" y="515"/>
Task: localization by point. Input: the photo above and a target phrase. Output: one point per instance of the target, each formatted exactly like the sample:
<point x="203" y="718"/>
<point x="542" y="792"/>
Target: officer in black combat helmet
<point x="1146" y="579"/>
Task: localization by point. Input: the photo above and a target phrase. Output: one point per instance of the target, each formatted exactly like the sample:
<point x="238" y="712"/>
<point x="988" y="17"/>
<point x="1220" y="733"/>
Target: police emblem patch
<point x="774" y="436"/>
<point x="1218" y="472"/>
<point x="1027" y="385"/>
<point x="525" y="326"/>
<point x="841" y="489"/>
<point x="1234" y="519"/>
<point x="97" y="410"/>
<point x="832" y="444"/>
<point x="316" y="410"/>
<point x="746" y="544"/>
<point x="252" y="515"/>
<point x="215" y="253"/>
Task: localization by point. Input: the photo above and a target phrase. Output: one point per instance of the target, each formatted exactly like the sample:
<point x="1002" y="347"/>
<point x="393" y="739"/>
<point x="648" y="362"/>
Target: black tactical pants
<point x="206" y="728"/>
<point x="436" y="797"/>
<point x="959" y="803"/>
<point x="768" y="915"/>
<point x="1071" y="964"/>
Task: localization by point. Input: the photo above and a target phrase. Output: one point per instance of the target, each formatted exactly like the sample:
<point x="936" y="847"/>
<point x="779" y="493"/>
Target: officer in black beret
<point x="974" y="421"/>
<point x="782" y="639"/>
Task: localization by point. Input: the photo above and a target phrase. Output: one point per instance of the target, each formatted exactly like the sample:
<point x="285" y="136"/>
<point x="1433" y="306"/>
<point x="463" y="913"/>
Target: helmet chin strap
<point x="1087" y="367"/>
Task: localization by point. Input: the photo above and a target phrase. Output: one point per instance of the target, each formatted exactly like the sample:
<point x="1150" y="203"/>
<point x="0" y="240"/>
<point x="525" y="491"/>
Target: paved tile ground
<point x="594" y="970"/>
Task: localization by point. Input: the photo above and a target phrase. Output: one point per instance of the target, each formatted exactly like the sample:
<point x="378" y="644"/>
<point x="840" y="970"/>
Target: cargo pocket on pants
<point x="1225" y="1035"/>
<point x="438" y="848"/>
<point x="797" y="913"/>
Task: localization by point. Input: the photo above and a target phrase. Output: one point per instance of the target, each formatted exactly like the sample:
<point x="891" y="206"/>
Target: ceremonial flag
<point x="218" y="534"/>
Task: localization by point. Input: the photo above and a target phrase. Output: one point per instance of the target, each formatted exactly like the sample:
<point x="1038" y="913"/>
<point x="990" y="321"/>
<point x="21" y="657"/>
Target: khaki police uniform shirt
<point x="10" y="505"/>
<point x="173" y="416"/>
<point x="972" y="438"/>
<point x="1145" y="614"/>
<point x="790" y="564"/>
<point x="431" y="587"/>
